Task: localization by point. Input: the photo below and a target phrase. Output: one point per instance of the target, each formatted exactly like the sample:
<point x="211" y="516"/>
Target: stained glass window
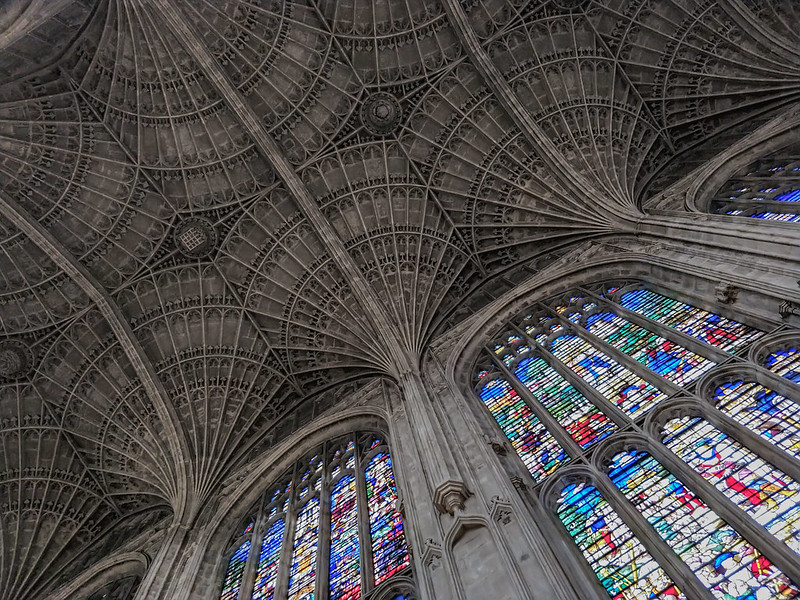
<point x="344" y="562"/>
<point x="785" y="362"/>
<point x="304" y="558"/>
<point x="536" y="446"/>
<point x="768" y="189"/>
<point x="267" y="574"/>
<point x="592" y="363"/>
<point x="233" y="576"/>
<point x="614" y="381"/>
<point x="622" y="564"/>
<point x="705" y="326"/>
<point x="339" y="503"/>
<point x="773" y="417"/>
<point x="758" y="488"/>
<point x="727" y="564"/>
<point x="389" y="551"/>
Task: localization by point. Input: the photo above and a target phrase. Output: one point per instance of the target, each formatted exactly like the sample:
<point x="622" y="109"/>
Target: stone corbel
<point x="788" y="309"/>
<point x="450" y="496"/>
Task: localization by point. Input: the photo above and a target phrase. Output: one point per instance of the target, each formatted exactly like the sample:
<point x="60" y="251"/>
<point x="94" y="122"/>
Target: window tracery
<point x="579" y="375"/>
<point x="329" y="528"/>
<point x="768" y="189"/>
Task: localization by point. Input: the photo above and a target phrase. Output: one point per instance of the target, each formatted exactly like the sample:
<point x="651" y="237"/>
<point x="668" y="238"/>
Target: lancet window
<point x="768" y="189"/>
<point x="329" y="528"/>
<point x="671" y="480"/>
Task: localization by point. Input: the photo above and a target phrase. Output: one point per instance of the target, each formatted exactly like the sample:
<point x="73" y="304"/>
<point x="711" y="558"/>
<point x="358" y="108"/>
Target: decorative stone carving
<point x="500" y="510"/>
<point x="16" y="360"/>
<point x="497" y="445"/>
<point x="450" y="496"/>
<point x="519" y="483"/>
<point x="726" y="293"/>
<point x="432" y="555"/>
<point x="381" y="113"/>
<point x="195" y="237"/>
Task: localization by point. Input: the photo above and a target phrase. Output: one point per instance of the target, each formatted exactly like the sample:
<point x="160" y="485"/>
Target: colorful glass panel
<point x="705" y="326"/>
<point x="389" y="551"/>
<point x="304" y="556"/>
<point x="233" y="576"/>
<point x="622" y="564"/>
<point x="668" y="359"/>
<point x="536" y="446"/>
<point x="616" y="383"/>
<point x="772" y="216"/>
<point x="575" y="413"/>
<point x="766" y="494"/>
<point x="785" y="363"/>
<point x="720" y="557"/>
<point x="345" y="572"/>
<point x="267" y="572"/>
<point x="775" y="418"/>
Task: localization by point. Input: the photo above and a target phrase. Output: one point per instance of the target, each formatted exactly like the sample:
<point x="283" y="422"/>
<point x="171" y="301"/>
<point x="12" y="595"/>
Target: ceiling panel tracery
<point x="334" y="249"/>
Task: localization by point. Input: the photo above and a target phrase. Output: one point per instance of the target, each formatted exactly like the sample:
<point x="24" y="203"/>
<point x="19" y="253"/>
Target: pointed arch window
<point x="328" y="529"/>
<point x="767" y="189"/>
<point x="594" y="367"/>
<point x="574" y="370"/>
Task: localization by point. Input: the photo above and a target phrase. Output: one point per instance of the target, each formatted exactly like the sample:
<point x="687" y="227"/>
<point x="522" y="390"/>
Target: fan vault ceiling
<point x="212" y="210"/>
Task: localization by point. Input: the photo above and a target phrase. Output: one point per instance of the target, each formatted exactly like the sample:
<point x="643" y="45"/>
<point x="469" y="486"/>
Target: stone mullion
<point x="250" y="568"/>
<point x="324" y="529"/>
<point x="550" y="423"/>
<point x="364" y="535"/>
<point x="777" y="552"/>
<point x="626" y="361"/>
<point x="287" y="545"/>
<point x="599" y="401"/>
<point x="680" y="573"/>
<point x="687" y="341"/>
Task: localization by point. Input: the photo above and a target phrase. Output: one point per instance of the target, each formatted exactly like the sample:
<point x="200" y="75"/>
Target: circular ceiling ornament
<point x="195" y="237"/>
<point x="381" y="113"/>
<point x="16" y="360"/>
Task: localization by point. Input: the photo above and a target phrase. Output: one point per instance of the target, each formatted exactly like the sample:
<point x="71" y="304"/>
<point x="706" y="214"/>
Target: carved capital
<point x="450" y="496"/>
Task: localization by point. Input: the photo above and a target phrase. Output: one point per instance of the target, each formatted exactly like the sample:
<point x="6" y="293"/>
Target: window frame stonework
<point x="641" y="431"/>
<point x="401" y="583"/>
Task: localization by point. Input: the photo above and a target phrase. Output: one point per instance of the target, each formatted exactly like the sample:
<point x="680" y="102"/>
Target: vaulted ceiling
<point x="211" y="210"/>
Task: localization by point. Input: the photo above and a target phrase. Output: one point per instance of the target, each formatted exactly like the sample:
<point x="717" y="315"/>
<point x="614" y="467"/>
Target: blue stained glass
<point x="790" y="196"/>
<point x="616" y="383"/>
<point x="668" y="359"/>
<point x="303" y="571"/>
<point x="345" y="572"/>
<point x="766" y="494"/>
<point x="233" y="576"/>
<point x="702" y="325"/>
<point x="268" y="560"/>
<point x="785" y="363"/>
<point x="773" y="216"/>
<point x="536" y="446"/>
<point x="727" y="564"/>
<point x="775" y="418"/>
<point x="389" y="551"/>
<point x="622" y="564"/>
<point x="575" y="413"/>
